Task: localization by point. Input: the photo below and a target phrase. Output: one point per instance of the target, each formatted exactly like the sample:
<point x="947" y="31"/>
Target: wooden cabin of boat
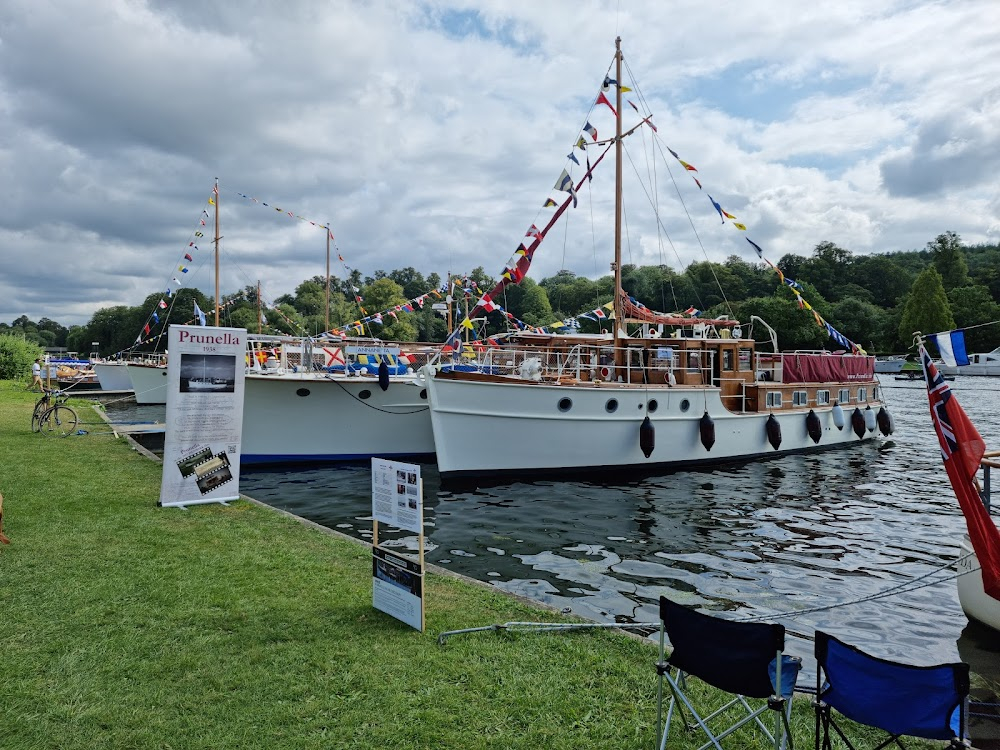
<point x="697" y="355"/>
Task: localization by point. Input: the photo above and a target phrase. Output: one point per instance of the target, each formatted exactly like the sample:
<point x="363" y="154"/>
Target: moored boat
<point x="551" y="406"/>
<point x="984" y="364"/>
<point x="662" y="390"/>
<point x="964" y="454"/>
<point x="334" y="401"/>
<point x="889" y="365"/>
<point x="112" y="375"/>
<point x="149" y="381"/>
<point x="976" y="603"/>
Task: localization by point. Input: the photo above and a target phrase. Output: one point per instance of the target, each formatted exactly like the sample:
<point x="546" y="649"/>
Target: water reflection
<point x="781" y="538"/>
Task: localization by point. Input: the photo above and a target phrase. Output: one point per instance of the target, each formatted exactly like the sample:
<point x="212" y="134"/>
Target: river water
<point x="801" y="540"/>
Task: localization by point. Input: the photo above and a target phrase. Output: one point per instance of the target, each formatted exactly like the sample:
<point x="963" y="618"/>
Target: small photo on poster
<point x="187" y="464"/>
<point x="213" y="473"/>
<point x="208" y="373"/>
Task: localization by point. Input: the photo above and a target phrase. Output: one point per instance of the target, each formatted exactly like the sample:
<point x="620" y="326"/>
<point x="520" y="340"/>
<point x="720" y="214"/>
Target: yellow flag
<point x="467" y="324"/>
<point x="211" y="202"/>
<point x="741" y="227"/>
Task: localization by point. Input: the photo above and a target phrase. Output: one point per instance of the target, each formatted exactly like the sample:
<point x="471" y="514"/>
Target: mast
<point x="327" y="277"/>
<point x="260" y="323"/>
<point x="618" y="199"/>
<point x="217" y="238"/>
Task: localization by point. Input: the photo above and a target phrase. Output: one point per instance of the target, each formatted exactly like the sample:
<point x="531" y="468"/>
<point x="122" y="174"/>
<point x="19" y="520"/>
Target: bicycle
<point x="52" y="416"/>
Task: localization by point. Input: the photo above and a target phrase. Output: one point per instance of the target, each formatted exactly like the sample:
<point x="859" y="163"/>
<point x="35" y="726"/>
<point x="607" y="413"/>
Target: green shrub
<point x="16" y="356"/>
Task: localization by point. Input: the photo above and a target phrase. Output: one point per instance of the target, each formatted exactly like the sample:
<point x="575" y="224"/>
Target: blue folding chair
<point x="739" y="658"/>
<point x="900" y="699"/>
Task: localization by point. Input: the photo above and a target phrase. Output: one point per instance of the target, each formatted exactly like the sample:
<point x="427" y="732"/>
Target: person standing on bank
<point x="36" y="376"/>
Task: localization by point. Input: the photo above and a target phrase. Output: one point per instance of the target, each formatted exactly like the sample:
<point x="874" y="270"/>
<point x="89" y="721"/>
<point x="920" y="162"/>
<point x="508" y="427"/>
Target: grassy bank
<point x="124" y="625"/>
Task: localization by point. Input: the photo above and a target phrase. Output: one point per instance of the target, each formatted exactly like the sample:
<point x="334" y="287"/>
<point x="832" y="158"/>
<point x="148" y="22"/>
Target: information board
<point x="398" y="579"/>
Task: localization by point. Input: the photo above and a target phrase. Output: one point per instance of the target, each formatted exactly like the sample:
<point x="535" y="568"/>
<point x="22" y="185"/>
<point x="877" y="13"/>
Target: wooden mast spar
<point x="617" y="266"/>
<point x="217" y="238"/>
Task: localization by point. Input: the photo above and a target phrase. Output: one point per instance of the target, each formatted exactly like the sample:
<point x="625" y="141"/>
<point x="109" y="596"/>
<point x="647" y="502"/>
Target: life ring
<point x="606" y="372"/>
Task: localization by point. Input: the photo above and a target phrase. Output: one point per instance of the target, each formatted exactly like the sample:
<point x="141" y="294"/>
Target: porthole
<point x="365" y="394"/>
<point x="302" y="392"/>
<point x="652" y="405"/>
<point x="423" y="393"/>
<point x="565" y="404"/>
<point x="611" y="406"/>
<point x="685" y="404"/>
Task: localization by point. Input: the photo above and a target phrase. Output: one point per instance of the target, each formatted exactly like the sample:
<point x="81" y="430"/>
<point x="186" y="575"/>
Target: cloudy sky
<point x="429" y="134"/>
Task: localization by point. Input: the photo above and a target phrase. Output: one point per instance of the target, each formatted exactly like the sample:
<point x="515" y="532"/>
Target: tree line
<point x="876" y="301"/>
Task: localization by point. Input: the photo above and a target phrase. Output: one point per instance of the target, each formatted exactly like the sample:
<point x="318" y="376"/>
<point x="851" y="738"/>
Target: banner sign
<point x="204" y="422"/>
<point x="392" y="350"/>
<point x="397" y="579"/>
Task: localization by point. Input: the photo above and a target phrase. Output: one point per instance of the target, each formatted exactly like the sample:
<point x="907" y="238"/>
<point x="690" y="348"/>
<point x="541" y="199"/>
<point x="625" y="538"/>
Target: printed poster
<point x="397" y="579"/>
<point x="397" y="496"/>
<point x="204" y="422"/>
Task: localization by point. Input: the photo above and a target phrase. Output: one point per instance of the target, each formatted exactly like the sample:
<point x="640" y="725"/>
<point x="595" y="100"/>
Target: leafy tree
<point x="973" y="305"/>
<point x="412" y="281"/>
<point x="984" y="267"/>
<point x="713" y="284"/>
<point x="861" y="322"/>
<point x="796" y="330"/>
<point x="528" y="302"/>
<point x="884" y="277"/>
<point x="16" y="356"/>
<point x="756" y="279"/>
<point x="949" y="260"/>
<point x="384" y="294"/>
<point x="926" y="308"/>
<point x="828" y="267"/>
<point x="569" y="294"/>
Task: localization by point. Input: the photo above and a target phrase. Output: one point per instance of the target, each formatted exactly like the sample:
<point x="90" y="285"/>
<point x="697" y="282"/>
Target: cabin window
<point x="877" y="394"/>
<point x="565" y="404"/>
<point x="423" y="393"/>
<point x="844" y="396"/>
<point x="800" y="398"/>
<point x="652" y="405"/>
<point x="685" y="405"/>
<point x="862" y="395"/>
<point x="822" y="398"/>
<point x="745" y="359"/>
<point x="664" y="359"/>
<point x="694" y="362"/>
<point x="773" y="400"/>
<point x="302" y="392"/>
<point x="365" y="394"/>
<point x="727" y="360"/>
<point x="612" y="405"/>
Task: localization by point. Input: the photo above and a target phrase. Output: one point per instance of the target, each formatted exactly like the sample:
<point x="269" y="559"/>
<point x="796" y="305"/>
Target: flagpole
<point x="260" y="323"/>
<point x="327" y="324"/>
<point x="618" y="201"/>
<point x="217" y="238"/>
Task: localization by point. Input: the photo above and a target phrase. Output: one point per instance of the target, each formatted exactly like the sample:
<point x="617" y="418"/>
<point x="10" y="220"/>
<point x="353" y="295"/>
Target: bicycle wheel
<point x="36" y="416"/>
<point x="59" y="421"/>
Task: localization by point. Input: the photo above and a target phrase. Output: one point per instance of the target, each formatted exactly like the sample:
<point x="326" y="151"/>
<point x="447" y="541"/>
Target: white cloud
<point x="429" y="133"/>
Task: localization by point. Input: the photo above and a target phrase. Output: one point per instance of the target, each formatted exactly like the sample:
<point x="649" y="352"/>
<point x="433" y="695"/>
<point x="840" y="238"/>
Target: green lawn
<point x="125" y="625"/>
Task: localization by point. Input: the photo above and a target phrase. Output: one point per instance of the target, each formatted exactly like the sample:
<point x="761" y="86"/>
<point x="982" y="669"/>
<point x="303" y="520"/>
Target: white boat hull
<point x="975" y="602"/>
<point x="483" y="428"/>
<point x="889" y="366"/>
<point x="312" y="417"/>
<point x="149" y="383"/>
<point x="113" y="376"/>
